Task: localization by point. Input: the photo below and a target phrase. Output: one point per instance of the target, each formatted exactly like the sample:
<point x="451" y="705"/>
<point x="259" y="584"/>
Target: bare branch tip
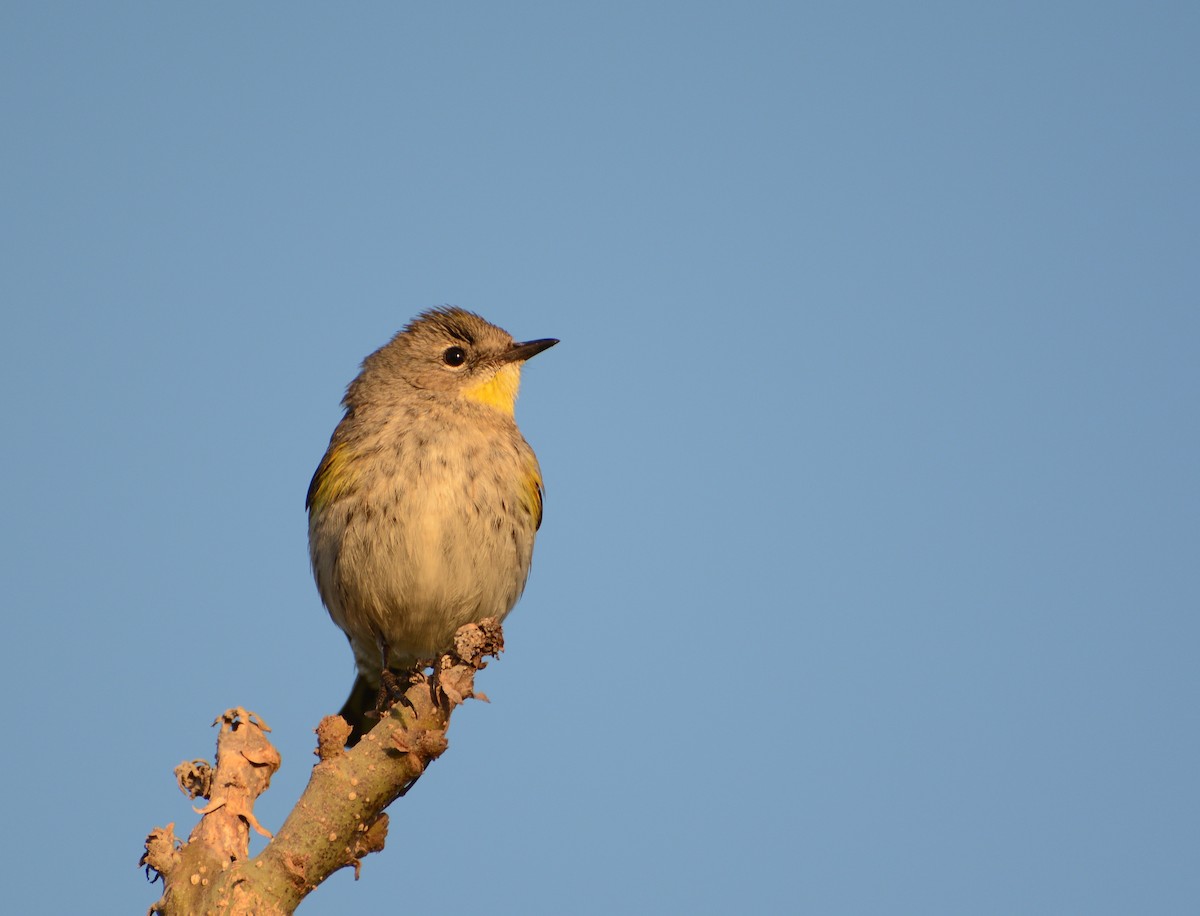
<point x="237" y="716"/>
<point x="332" y="734"/>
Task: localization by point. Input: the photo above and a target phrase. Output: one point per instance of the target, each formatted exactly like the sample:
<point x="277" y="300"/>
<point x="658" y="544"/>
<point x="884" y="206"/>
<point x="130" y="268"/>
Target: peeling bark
<point x="339" y="818"/>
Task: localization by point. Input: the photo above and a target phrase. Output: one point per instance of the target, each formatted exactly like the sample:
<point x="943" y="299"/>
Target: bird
<point x="423" y="510"/>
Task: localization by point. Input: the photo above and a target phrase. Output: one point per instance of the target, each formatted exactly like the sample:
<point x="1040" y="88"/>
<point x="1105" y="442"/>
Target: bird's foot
<point x="392" y="687"/>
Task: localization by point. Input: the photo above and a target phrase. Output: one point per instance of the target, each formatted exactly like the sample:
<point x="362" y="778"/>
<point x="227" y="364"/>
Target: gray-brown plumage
<point x="423" y="511"/>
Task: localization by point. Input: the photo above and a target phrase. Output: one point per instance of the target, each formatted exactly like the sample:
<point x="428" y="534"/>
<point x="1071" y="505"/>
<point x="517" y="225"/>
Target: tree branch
<point x="340" y="816"/>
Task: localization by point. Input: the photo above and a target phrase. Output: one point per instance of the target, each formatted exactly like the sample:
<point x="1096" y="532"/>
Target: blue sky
<point x="868" y="581"/>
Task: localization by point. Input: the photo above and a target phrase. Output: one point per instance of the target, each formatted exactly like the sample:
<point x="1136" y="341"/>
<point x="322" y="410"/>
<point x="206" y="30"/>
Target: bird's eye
<point x="454" y="356"/>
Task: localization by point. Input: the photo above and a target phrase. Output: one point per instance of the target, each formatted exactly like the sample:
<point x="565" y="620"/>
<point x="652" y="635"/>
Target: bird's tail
<point x="359" y="709"/>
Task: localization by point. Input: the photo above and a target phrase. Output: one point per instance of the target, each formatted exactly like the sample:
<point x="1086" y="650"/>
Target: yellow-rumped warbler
<point x="422" y="514"/>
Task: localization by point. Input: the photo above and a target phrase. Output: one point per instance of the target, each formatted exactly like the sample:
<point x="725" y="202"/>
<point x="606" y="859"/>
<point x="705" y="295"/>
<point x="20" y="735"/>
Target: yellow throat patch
<point x="499" y="391"/>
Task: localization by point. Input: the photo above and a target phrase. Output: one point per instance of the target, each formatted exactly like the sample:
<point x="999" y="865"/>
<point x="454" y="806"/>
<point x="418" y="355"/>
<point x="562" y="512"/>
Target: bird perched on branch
<point x="422" y="514"/>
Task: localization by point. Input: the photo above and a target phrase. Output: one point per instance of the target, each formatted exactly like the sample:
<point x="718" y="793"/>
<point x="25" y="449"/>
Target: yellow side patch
<point x="334" y="477"/>
<point x="499" y="391"/>
<point x="533" y="495"/>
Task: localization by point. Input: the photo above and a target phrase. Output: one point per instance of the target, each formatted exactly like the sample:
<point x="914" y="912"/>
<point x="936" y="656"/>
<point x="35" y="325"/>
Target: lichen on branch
<point x="340" y="817"/>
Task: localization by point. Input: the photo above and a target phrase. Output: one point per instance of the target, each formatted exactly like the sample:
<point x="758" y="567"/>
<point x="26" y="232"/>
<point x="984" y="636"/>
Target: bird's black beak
<point x="527" y="350"/>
